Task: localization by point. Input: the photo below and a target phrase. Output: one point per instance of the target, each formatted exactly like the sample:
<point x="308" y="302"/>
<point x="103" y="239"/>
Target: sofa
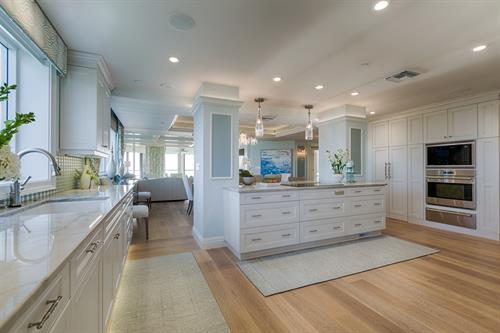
<point x="163" y="189"/>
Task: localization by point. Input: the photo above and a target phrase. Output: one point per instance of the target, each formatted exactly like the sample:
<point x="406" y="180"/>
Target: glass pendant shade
<point x="309" y="127"/>
<point x="259" y="124"/>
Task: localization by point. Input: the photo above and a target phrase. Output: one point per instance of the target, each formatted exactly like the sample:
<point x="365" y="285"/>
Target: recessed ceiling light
<point x="276" y="79"/>
<point x="354" y="93"/>
<point x="372" y="112"/>
<point x="381" y="5"/>
<point x="181" y="22"/>
<point x="173" y="59"/>
<point x="137" y="81"/>
<point x="479" y="48"/>
<point x="319" y="87"/>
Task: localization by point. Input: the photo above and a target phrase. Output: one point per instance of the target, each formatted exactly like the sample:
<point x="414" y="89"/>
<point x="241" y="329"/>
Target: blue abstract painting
<point x="274" y="161"/>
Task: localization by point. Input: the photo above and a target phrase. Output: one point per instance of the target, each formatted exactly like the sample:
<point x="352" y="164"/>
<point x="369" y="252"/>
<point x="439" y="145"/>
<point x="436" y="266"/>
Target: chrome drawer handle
<point x="358" y="225"/>
<point x="256" y="239"/>
<point x="93" y="246"/>
<point x="314" y="230"/>
<point x="376" y="190"/>
<point x="53" y="304"/>
<point x="358" y="191"/>
<point x="313" y="210"/>
<point x="337" y="228"/>
<point x="378" y="221"/>
<point x="117" y="236"/>
<point x="286" y="196"/>
<point x="286" y="213"/>
<point x="339" y="192"/>
<point x="377" y="204"/>
<point x="286" y="235"/>
<point x="256" y="198"/>
<point x="357" y="206"/>
<point x="257" y="215"/>
<point x="337" y="207"/>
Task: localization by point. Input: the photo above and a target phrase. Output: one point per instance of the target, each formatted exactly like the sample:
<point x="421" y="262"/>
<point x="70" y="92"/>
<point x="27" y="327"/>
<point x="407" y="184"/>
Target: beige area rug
<point x="165" y="294"/>
<point x="279" y="273"/>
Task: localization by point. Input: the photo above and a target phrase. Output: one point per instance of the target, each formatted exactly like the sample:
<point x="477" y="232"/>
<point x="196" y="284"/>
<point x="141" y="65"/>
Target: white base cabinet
<point x="300" y="218"/>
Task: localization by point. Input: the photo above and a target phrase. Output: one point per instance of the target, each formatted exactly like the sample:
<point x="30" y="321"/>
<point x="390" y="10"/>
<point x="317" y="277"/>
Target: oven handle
<point x="450" y="212"/>
<point x="458" y="180"/>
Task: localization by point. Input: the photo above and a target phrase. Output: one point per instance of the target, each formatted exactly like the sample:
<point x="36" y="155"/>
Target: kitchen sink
<point x="59" y="206"/>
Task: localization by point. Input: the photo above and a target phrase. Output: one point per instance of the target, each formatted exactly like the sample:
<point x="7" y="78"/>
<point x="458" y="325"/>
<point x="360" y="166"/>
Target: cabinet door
<point x="62" y="323"/>
<point x="86" y="304"/>
<point x="398" y="182"/>
<point x="397" y="132"/>
<point x="380" y="134"/>
<point x="380" y="160"/>
<point x="415" y="130"/>
<point x="118" y="236"/>
<point x="416" y="182"/>
<point x="108" y="255"/>
<point x="462" y="123"/>
<point x="435" y="126"/>
<point x="488" y="212"/>
<point x="488" y="119"/>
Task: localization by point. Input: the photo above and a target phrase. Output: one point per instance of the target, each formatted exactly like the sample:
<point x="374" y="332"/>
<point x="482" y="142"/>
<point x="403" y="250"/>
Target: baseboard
<point x="208" y="242"/>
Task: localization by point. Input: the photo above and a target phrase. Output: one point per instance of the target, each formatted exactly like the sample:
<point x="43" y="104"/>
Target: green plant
<point x="92" y="171"/>
<point x="245" y="173"/>
<point x="11" y="126"/>
<point x="338" y="160"/>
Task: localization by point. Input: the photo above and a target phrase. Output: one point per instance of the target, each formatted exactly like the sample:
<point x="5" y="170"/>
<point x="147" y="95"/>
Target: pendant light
<point x="309" y="127"/>
<point x="259" y="124"/>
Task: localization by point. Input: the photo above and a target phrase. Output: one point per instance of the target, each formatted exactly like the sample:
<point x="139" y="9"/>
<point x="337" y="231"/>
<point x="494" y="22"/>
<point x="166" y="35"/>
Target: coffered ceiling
<point x="343" y="45"/>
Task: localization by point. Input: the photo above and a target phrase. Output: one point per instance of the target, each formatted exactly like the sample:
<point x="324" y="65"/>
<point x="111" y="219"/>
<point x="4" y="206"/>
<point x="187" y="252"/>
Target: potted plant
<point x="9" y="162"/>
<point x="247" y="177"/>
<point x="338" y="161"/>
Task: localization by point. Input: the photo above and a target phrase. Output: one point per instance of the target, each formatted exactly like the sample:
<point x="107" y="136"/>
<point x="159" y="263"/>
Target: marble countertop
<point x="257" y="188"/>
<point x="36" y="240"/>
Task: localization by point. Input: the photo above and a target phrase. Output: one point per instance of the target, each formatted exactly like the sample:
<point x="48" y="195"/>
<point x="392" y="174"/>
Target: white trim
<point x="210" y="146"/>
<point x="91" y="60"/>
<point x="209" y="242"/>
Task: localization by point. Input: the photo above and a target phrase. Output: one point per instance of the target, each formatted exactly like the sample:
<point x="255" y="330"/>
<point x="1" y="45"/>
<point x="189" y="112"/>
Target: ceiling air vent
<point x="401" y="76"/>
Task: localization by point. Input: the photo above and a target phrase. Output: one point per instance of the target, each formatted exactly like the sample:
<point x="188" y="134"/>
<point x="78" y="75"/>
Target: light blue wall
<point x="253" y="153"/>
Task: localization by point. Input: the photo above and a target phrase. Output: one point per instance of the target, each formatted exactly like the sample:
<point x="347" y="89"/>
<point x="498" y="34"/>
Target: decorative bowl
<point x="248" y="180"/>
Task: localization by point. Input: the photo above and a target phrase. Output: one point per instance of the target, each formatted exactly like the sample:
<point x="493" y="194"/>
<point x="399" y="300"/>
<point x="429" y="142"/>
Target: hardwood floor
<point x="455" y="290"/>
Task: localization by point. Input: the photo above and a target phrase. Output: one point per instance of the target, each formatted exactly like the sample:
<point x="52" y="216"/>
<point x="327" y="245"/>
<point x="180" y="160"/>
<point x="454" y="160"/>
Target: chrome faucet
<point x="16" y="187"/>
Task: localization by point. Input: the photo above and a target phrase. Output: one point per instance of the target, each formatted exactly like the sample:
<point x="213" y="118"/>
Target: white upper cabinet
<point x="415" y="130"/>
<point x="488" y="119"/>
<point x="462" y="123"/>
<point x="380" y="133"/>
<point x="435" y="126"/>
<point x="398" y="132"/>
<point x="85" y="107"/>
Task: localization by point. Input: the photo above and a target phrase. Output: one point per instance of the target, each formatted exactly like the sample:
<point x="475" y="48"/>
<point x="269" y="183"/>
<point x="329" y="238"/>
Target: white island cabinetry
<point x="259" y="222"/>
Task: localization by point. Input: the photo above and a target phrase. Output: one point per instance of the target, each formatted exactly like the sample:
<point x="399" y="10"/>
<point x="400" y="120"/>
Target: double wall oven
<point x="451" y="183"/>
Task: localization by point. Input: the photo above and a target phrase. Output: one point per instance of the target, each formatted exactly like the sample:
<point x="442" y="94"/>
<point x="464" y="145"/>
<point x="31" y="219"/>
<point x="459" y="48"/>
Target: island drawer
<point x="322" y="229"/>
<point x="367" y="223"/>
<point x="322" y="209"/>
<point x="277" y="196"/>
<point x="269" y="214"/>
<point x="263" y="238"/>
<point x="47" y="308"/>
<point x="367" y="205"/>
<point x="84" y="256"/>
<point x="372" y="190"/>
<point x="328" y="193"/>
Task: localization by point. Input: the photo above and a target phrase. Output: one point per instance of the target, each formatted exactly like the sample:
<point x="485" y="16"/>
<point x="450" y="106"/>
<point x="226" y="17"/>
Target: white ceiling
<point x="306" y="42"/>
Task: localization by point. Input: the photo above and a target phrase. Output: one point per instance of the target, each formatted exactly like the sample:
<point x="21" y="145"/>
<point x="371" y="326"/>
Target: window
<point x="171" y="163"/>
<point x="4" y="77"/>
<point x="134" y="160"/>
<point x="189" y="164"/>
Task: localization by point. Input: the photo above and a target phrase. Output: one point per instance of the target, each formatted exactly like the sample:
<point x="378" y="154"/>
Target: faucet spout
<point x="55" y="166"/>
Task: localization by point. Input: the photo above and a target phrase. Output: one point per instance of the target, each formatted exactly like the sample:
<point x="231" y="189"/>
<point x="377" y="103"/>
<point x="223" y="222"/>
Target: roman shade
<point x="28" y="24"/>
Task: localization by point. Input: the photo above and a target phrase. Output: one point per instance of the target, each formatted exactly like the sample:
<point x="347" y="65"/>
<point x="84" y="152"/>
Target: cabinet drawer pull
<point x="286" y="213"/>
<point x="357" y="206"/>
<point x="257" y="215"/>
<point x="286" y="196"/>
<point x="286" y="235"/>
<point x="378" y="221"/>
<point x="377" y="204"/>
<point x="313" y="210"/>
<point x="337" y="228"/>
<point x="117" y="236"/>
<point x="358" y="191"/>
<point x="337" y="207"/>
<point x="53" y="304"/>
<point x="314" y="230"/>
<point x="256" y="239"/>
<point x="339" y="192"/>
<point x="256" y="198"/>
<point x="378" y="190"/>
<point x="358" y="225"/>
<point x="93" y="246"/>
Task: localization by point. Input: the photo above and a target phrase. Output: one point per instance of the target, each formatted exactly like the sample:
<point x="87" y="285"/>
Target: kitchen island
<point x="261" y="221"/>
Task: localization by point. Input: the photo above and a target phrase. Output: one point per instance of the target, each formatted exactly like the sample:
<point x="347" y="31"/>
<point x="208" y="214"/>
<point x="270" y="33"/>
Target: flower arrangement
<point x="338" y="160"/>
<point x="9" y="162"/>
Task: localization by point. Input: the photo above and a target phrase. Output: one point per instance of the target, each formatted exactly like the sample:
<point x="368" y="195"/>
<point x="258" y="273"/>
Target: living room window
<point x="171" y="164"/>
<point x="189" y="164"/>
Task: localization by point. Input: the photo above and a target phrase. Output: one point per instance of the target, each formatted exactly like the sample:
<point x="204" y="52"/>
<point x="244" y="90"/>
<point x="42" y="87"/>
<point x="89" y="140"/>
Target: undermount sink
<point x="59" y="206"/>
<point x="76" y="199"/>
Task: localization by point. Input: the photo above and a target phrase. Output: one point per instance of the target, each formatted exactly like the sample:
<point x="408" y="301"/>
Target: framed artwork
<point x="275" y="161"/>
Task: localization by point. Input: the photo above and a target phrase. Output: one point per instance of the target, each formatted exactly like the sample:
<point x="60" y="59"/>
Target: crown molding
<point x="91" y="60"/>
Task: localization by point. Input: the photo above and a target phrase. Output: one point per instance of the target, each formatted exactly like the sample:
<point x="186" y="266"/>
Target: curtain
<point x="155" y="162"/>
<point x="26" y="22"/>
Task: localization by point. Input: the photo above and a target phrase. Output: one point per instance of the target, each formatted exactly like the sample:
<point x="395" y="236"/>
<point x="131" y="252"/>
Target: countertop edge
<point x="253" y="189"/>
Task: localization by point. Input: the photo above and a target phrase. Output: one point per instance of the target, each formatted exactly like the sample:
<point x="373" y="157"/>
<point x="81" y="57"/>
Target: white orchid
<point x="9" y="164"/>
